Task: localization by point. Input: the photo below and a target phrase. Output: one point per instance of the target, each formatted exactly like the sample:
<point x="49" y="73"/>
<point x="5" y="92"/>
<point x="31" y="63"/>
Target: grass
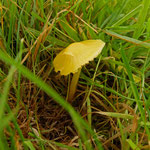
<point x="111" y="106"/>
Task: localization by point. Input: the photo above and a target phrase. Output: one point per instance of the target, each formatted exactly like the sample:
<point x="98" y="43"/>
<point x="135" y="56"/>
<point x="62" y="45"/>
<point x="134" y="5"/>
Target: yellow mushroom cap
<point x="76" y="55"/>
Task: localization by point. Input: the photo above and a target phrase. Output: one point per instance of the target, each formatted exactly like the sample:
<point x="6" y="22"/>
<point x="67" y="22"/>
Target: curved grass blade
<point x="78" y="121"/>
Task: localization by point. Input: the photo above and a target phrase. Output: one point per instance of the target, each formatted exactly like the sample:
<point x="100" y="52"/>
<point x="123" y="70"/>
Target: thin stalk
<point x="89" y="110"/>
<point x="73" y="85"/>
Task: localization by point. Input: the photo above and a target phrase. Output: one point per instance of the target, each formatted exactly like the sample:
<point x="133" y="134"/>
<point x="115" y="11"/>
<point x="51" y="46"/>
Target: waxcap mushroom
<point x="76" y="55"/>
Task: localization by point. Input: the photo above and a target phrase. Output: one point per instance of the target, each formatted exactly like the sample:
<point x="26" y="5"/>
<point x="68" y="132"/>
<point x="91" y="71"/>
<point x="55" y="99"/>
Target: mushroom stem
<point x="73" y="85"/>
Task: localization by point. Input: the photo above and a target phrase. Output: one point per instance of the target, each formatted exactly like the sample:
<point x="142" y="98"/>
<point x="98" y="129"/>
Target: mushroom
<point x="73" y="57"/>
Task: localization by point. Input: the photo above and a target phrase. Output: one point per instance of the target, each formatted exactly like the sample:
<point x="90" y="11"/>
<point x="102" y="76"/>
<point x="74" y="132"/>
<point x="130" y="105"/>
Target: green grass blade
<point x="29" y="144"/>
<point x="141" y="19"/>
<point x="28" y="9"/>
<point x="128" y="39"/>
<point x="18" y="29"/>
<point x="119" y="8"/>
<point x="134" y="89"/>
<point x="13" y="11"/>
<point x="90" y="82"/>
<point x="116" y="115"/>
<point x="70" y="31"/>
<point x="132" y="145"/>
<point x="127" y="16"/>
<point x="140" y="24"/>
